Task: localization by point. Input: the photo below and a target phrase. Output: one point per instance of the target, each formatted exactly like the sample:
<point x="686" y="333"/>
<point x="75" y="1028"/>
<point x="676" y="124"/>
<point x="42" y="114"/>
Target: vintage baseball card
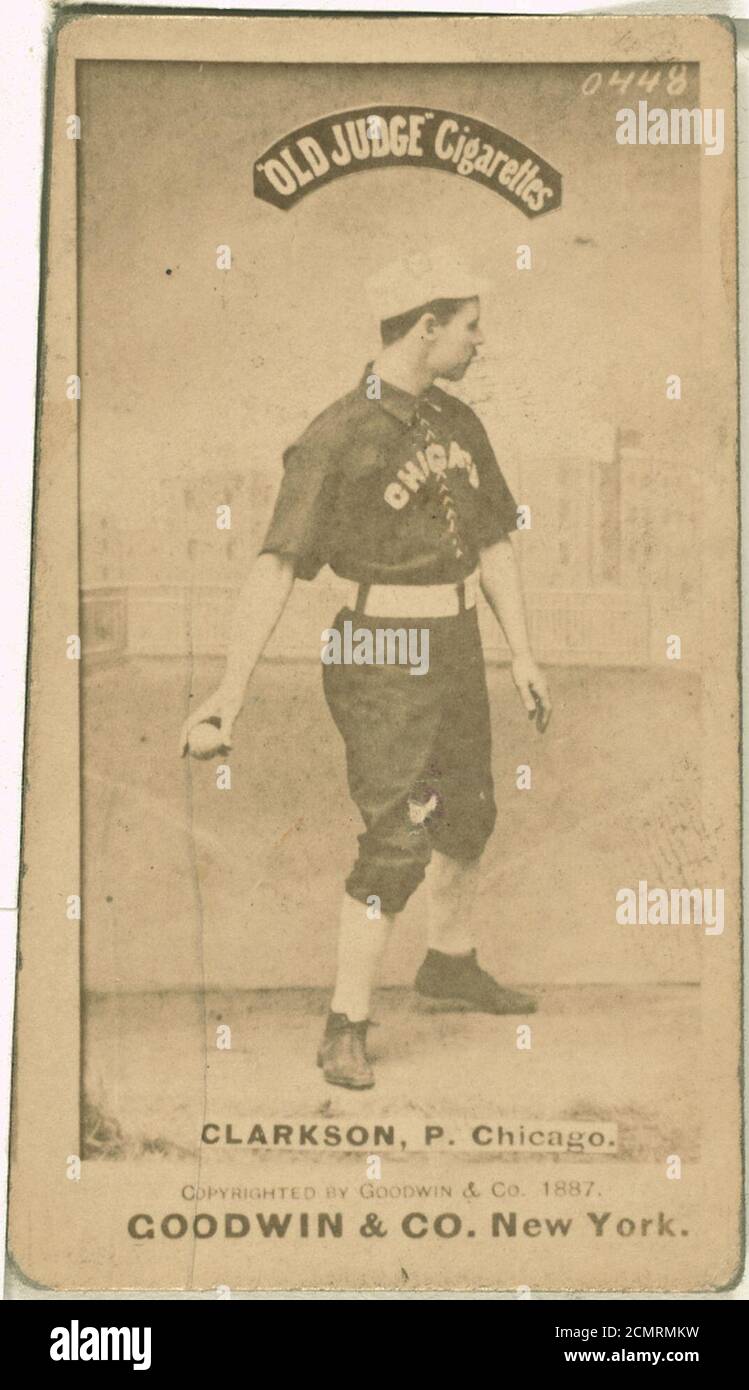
<point x="380" y="919"/>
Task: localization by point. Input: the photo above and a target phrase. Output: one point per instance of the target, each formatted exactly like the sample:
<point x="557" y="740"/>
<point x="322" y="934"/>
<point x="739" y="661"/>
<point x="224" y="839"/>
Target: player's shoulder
<point x="330" y="430"/>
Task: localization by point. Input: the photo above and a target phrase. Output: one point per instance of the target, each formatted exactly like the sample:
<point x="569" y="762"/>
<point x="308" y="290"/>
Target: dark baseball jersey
<point x="395" y="490"/>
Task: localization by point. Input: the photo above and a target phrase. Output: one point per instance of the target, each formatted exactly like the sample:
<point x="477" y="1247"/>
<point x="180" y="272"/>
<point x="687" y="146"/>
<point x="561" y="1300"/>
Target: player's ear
<point x="427" y="326"/>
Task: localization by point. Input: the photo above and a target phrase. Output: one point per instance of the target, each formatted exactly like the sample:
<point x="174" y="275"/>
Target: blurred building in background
<point x="610" y="562"/>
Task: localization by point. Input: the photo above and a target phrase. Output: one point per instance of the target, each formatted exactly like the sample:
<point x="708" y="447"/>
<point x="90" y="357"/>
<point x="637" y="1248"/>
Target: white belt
<point x="413" y="600"/>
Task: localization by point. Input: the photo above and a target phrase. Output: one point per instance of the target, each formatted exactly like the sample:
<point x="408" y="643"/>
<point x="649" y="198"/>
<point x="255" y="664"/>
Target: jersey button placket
<point x="446" y="499"/>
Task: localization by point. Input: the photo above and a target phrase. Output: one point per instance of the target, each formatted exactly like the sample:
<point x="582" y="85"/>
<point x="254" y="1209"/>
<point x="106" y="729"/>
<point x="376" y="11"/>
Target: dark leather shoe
<point x="459" y="982"/>
<point x="343" y="1053"/>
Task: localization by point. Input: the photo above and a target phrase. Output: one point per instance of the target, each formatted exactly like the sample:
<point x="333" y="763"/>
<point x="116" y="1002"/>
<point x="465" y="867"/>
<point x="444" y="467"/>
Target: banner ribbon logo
<point x="366" y="139"/>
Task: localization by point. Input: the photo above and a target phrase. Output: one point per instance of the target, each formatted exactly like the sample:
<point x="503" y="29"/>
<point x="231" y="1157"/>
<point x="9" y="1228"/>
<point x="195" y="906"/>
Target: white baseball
<point x="205" y="741"/>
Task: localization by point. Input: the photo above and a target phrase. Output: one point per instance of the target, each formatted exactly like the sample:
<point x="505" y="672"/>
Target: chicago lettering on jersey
<point x="435" y="460"/>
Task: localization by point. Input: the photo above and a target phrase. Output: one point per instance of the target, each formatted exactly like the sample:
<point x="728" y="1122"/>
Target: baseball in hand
<point x="205" y="740"/>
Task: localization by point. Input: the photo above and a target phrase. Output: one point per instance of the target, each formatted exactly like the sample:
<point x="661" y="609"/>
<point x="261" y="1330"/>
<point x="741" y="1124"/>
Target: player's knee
<point x="391" y="871"/>
<point x="463" y="835"/>
<point x="392" y="886"/>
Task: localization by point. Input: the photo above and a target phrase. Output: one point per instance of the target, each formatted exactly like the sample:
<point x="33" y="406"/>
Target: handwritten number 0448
<point x="675" y="84"/>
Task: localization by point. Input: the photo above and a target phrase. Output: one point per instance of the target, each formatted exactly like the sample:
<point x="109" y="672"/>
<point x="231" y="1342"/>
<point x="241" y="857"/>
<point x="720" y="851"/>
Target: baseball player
<point x="396" y="487"/>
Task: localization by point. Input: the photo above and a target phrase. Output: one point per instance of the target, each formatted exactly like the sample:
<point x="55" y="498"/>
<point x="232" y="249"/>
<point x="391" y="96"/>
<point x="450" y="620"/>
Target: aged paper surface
<point x="210" y="263"/>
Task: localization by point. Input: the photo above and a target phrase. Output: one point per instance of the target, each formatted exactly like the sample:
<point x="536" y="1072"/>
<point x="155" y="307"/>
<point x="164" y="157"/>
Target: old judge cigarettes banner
<point x="352" y="142"/>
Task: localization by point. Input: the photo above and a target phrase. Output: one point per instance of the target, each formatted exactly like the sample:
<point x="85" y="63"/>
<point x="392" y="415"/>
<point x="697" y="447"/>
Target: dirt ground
<point x="627" y="1055"/>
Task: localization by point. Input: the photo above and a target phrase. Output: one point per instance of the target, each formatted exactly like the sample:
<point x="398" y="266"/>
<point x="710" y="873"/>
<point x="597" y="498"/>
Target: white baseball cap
<point x="418" y="279"/>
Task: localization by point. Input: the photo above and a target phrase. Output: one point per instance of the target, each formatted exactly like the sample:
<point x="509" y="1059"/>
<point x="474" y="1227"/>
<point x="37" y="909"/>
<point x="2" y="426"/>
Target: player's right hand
<point x="221" y="705"/>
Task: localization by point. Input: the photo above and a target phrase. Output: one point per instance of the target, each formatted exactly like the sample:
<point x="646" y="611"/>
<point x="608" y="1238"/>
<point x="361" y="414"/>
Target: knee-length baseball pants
<point x="418" y="754"/>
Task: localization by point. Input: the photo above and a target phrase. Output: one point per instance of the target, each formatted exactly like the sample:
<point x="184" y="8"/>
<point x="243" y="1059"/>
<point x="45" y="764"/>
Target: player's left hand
<point x="533" y="690"/>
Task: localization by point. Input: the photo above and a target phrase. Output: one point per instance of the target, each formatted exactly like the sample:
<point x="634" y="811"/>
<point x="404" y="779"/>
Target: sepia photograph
<point x="396" y="605"/>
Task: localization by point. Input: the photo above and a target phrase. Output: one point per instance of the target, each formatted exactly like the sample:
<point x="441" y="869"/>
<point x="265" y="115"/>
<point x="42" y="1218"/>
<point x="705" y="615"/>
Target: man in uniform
<point x="396" y="487"/>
